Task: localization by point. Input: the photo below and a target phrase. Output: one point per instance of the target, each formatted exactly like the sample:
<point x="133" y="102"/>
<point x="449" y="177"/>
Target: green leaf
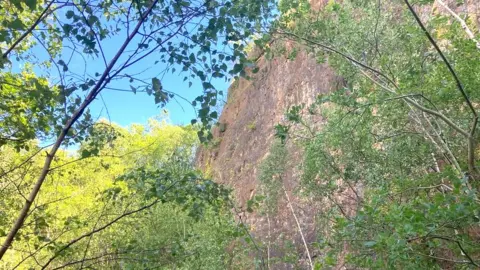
<point x="237" y="68"/>
<point x="207" y="85"/>
<point x="92" y="20"/>
<point x="192" y="58"/>
<point x="17" y="24"/>
<point x="157" y="85"/>
<point x="17" y="4"/>
<point x="67" y="28"/>
<point x="69" y="14"/>
<point x="31" y="4"/>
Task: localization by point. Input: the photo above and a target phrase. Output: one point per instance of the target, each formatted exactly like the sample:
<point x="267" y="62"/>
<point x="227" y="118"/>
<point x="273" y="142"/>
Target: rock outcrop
<point x="246" y="133"/>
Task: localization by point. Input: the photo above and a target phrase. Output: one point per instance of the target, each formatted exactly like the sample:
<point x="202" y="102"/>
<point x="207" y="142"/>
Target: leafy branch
<point x="26" y="33"/>
<point x="469" y="135"/>
<point x="99" y="229"/>
<point x="102" y="82"/>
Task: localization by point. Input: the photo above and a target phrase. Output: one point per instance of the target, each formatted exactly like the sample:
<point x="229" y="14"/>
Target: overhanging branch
<point x="447" y="63"/>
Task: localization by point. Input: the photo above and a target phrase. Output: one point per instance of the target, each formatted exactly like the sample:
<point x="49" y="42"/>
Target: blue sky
<point x="120" y="104"/>
<point x="125" y="107"/>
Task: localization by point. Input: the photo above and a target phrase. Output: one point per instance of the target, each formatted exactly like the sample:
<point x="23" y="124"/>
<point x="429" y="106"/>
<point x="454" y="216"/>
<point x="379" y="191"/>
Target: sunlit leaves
<point x="113" y="171"/>
<point x="98" y="136"/>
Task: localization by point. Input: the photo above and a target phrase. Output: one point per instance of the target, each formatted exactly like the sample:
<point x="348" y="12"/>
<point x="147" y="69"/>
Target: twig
<point x="420" y="107"/>
<point x="470" y="260"/>
<point x="244" y="227"/>
<point x="299" y="227"/>
<point x="26" y="33"/>
<point x="90" y="237"/>
<point x="25" y="161"/>
<point x="462" y="23"/>
<point x="269" y="241"/>
<point x="351" y="59"/>
<point x="98" y="230"/>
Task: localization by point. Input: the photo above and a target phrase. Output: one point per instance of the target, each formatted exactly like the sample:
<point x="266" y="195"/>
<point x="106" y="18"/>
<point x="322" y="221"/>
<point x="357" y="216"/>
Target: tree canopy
<point x="70" y="51"/>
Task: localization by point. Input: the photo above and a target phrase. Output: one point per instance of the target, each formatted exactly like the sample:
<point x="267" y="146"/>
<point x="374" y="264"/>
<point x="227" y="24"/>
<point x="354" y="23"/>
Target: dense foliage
<point x="56" y="59"/>
<point x="395" y="160"/>
<point x="138" y="204"/>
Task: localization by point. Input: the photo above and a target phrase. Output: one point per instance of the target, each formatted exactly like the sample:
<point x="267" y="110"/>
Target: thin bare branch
<point x="25" y="161"/>
<point x="444" y="58"/>
<point x="462" y="23"/>
<point x="420" y="107"/>
<point x="299" y="227"/>
<point x="351" y="59"/>
<point x="29" y="30"/>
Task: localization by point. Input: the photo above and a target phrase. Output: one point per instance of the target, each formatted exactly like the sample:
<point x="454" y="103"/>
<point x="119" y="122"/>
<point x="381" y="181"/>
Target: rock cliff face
<point x="246" y="134"/>
<point x="254" y="107"/>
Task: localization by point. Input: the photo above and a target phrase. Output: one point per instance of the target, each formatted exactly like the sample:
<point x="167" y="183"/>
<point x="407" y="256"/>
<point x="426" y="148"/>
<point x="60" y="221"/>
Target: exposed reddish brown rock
<point x="246" y="134"/>
<point x="254" y="107"/>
